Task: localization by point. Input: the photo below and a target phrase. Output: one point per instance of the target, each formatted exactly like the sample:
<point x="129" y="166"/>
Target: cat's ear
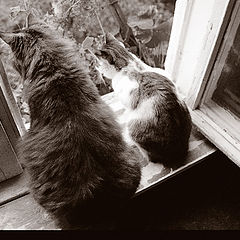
<point x="105" y="55"/>
<point x="7" y="37"/>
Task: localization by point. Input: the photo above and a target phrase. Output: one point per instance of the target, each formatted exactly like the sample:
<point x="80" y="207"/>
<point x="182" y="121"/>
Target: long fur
<point x="74" y="151"/>
<point x="158" y="121"/>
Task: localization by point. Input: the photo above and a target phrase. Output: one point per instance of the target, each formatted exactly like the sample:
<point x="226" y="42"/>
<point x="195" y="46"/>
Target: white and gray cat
<point x="159" y="122"/>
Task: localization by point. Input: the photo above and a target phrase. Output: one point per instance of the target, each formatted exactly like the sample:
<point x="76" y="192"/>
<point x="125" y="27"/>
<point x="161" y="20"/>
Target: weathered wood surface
<point x="9" y="132"/>
<point x="9" y="166"/>
<point x="9" y="111"/>
<point x="14" y="188"/>
<point x="24" y="213"/>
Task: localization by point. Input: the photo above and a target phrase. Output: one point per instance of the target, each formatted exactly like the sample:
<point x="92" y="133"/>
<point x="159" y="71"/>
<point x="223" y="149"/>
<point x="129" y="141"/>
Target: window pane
<point x="227" y="93"/>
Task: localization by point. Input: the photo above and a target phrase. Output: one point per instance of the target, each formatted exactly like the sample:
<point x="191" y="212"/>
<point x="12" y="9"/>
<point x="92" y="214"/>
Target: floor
<point x="206" y="197"/>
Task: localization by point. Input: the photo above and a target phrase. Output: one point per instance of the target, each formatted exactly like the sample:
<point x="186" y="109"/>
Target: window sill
<point x="20" y="211"/>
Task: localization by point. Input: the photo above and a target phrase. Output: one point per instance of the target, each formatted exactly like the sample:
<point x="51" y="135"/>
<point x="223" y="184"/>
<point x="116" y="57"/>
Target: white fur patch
<point x="106" y="69"/>
<point x="131" y="142"/>
<point x="147" y="68"/>
<point x="122" y="87"/>
<point x="144" y="111"/>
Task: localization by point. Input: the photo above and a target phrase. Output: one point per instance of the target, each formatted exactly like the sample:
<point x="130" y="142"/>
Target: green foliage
<point x="85" y="21"/>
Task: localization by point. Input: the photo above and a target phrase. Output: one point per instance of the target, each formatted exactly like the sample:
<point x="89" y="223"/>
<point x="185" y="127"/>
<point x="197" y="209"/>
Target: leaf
<point x="150" y="12"/>
<point x="141" y="23"/>
<point x="87" y="43"/>
<point x="15" y="11"/>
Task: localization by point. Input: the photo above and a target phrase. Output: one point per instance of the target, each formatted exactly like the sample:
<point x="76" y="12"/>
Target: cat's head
<point x="112" y="57"/>
<point x="27" y="44"/>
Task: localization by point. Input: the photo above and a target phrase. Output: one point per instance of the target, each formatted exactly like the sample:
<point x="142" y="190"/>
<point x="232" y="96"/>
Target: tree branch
<point x="125" y="30"/>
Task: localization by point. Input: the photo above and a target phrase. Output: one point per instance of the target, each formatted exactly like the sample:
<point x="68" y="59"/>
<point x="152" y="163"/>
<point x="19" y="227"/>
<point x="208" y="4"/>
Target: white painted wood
<point x="219" y="125"/>
<point x="197" y="32"/>
<point x="218" y="24"/>
<point x="221" y="139"/>
<point x="178" y="33"/>
<point x="224" y="118"/>
<point x="227" y="43"/>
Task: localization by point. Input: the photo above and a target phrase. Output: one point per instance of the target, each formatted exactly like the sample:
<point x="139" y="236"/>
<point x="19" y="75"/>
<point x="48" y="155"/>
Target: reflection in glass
<point x="227" y="93"/>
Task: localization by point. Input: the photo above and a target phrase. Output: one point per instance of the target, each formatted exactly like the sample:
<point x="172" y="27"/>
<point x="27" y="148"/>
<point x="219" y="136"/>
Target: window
<point x="192" y="55"/>
<point x="147" y="20"/>
<point x="198" y="61"/>
<point x="206" y="71"/>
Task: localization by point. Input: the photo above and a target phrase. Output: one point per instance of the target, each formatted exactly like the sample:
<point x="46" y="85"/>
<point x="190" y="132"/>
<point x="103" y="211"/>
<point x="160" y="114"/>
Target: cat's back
<point x="153" y="85"/>
<point x="161" y="92"/>
<point x="160" y="121"/>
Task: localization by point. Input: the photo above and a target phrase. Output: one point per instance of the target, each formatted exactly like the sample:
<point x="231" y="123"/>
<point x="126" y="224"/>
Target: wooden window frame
<point x="201" y="32"/>
<point x="176" y="64"/>
<point x="11" y="128"/>
<point x="13" y="115"/>
<point x="195" y="40"/>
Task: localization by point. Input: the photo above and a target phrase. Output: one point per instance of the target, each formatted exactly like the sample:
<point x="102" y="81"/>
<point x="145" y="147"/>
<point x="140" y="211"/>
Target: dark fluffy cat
<point x="158" y="121"/>
<point x="79" y="164"/>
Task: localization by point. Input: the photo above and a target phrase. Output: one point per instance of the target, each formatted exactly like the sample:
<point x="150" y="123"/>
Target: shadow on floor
<point x="205" y="197"/>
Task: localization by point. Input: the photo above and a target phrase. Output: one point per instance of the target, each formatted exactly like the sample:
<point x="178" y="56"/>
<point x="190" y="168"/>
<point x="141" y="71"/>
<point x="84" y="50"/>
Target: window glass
<point x="227" y="93"/>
